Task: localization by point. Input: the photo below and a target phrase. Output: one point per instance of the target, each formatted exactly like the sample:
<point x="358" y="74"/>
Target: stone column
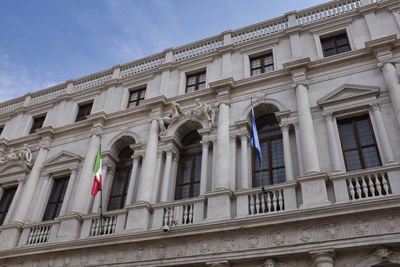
<point x="222" y="157"/>
<point x="333" y="145"/>
<point x="148" y="170"/>
<point x="157" y="179"/>
<point x="323" y="258"/>
<point x="232" y="162"/>
<point x="82" y="195"/>
<point x="387" y="152"/>
<point x="204" y="167"/>
<point x="132" y="180"/>
<point x="298" y="146"/>
<point x="166" y="177"/>
<point x="214" y="163"/>
<point x="96" y="202"/>
<point x="393" y="84"/>
<point x="286" y="151"/>
<point x="41" y="201"/>
<point x="68" y="192"/>
<point x="31" y="183"/>
<point x="244" y="173"/>
<point x="14" y="202"/>
<point x="307" y="134"/>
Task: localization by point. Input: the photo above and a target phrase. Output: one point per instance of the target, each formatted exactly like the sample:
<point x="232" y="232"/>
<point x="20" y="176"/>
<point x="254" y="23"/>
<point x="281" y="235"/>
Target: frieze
<point x="211" y="245"/>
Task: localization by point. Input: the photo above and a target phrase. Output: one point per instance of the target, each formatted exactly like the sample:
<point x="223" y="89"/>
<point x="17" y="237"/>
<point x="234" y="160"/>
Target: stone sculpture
<point x="24" y="154"/>
<point x="171" y="118"/>
<point x="204" y="111"/>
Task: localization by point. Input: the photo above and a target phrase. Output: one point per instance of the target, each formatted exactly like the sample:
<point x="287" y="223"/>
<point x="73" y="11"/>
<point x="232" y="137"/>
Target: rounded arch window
<point x="121" y="179"/>
<point x="189" y="167"/>
<point x="272" y="168"/>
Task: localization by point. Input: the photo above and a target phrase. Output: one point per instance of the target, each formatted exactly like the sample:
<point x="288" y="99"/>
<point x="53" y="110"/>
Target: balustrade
<point x="112" y="222"/>
<point x="48" y="94"/>
<point x="39" y="235"/>
<point x="198" y="48"/>
<point x="88" y="82"/>
<point x="142" y="65"/>
<point x="103" y="226"/>
<point x="12" y="105"/>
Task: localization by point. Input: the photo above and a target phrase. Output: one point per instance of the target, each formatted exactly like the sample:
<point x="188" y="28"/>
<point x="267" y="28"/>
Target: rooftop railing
<point x="202" y="47"/>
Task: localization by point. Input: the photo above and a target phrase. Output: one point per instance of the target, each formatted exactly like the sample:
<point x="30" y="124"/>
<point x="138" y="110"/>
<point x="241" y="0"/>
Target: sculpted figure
<point x="25" y="154"/>
<point x="204" y="111"/>
<point x="172" y="117"/>
<point x="269" y="263"/>
<point x="11" y="155"/>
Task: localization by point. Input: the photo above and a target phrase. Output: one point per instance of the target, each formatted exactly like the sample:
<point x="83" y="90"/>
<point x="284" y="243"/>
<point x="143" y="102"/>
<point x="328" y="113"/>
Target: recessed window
<point x="335" y="45"/>
<point x="83" y="111"/>
<point x="358" y="143"/>
<point x="189" y="169"/>
<point x="122" y="176"/>
<point x="195" y="82"/>
<point x="56" y="198"/>
<point x="1" y="129"/>
<point x="272" y="168"/>
<point x="261" y="64"/>
<point x="5" y="202"/>
<point x="136" y="98"/>
<point x="37" y="123"/>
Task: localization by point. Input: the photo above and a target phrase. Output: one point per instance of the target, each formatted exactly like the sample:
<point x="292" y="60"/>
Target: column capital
<point x="323" y="256"/>
<point x="284" y="125"/>
<point x="97" y="131"/>
<point x="44" y="143"/>
<point x="374" y="106"/>
<point x="21" y="180"/>
<point x="328" y="116"/>
<point x="74" y="169"/>
<point x="205" y="143"/>
<point x="244" y="135"/>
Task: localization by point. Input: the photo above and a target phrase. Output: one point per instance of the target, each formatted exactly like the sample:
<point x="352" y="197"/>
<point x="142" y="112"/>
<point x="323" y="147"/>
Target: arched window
<point x="272" y="169"/>
<point x="189" y="168"/>
<point x="120" y="184"/>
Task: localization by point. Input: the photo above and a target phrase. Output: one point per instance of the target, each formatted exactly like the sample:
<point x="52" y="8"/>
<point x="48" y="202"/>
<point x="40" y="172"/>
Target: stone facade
<point x="323" y="214"/>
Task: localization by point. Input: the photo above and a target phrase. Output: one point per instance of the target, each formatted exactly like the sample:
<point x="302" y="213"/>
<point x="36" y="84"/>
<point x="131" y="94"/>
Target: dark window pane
<point x="202" y="86"/>
<point x="277" y="153"/>
<point x="341" y="40"/>
<point x="197" y="168"/>
<point x="353" y="160"/>
<point x="348" y="138"/>
<point x="50" y="212"/>
<point x="185" y="170"/>
<point x="5" y="202"/>
<point x="183" y="192"/>
<point x="191" y="89"/>
<point x="56" y="198"/>
<point x="115" y="203"/>
<point x="330" y="52"/>
<point x="370" y="157"/>
<point x="279" y="175"/>
<point x="268" y="60"/>
<point x="261" y="178"/>
<point x="269" y="68"/>
<point x="84" y="111"/>
<point x="365" y="132"/>
<point x="327" y="44"/>
<point x="256" y="63"/>
<point x="196" y="189"/>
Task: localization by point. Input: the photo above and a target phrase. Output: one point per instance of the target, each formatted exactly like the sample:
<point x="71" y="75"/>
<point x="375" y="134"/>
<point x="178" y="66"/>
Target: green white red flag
<point x="97" y="173"/>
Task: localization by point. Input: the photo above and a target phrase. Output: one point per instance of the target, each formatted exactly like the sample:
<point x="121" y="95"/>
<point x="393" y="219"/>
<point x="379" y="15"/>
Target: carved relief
<point x="24" y="155"/>
<point x="391" y="223"/>
<point x="331" y="231"/>
<point x="361" y="227"/>
<point x="253" y="241"/>
<point x="204" y="111"/>
<point x="279" y="238"/>
<point x="228" y="243"/>
<point x="204" y="246"/>
<point x="171" y="118"/>
<point x="305" y="234"/>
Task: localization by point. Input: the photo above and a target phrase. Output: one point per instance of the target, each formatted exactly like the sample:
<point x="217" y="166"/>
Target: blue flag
<point x="255" y="142"/>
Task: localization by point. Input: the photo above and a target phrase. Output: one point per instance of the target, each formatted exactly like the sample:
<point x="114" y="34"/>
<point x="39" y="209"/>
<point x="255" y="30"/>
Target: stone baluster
<point x="14" y="202"/>
<point x="31" y="183"/>
<point x="204" y="166"/>
<point x="387" y="153"/>
<point x="81" y="202"/>
<point x="286" y="151"/>
<point x="41" y="201"/>
<point x="165" y="192"/>
<point x="132" y="181"/>
<point x="244" y="170"/>
<point x="68" y="192"/>
<point x="333" y="145"/>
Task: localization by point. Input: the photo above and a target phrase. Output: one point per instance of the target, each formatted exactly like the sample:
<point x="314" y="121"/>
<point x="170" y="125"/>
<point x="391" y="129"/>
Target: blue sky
<point x="46" y="42"/>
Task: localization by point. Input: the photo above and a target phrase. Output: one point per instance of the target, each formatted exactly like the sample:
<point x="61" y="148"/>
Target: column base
<point x="10" y="235"/>
<point x="219" y="205"/>
<point x="313" y="189"/>
<point x="70" y="227"/>
<point x="138" y="218"/>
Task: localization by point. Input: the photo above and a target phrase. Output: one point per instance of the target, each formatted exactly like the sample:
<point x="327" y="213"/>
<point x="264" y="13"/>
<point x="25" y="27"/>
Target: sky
<point x="47" y="42"/>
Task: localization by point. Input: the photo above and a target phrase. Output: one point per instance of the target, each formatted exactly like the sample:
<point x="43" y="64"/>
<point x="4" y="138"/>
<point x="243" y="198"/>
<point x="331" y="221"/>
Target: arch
<point x="184" y="126"/>
<point x="259" y="106"/>
<point x="392" y="258"/>
<point x="118" y="142"/>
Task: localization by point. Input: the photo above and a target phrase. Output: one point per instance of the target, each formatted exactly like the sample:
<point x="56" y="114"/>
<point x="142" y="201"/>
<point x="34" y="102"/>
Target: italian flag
<point x="97" y="173"/>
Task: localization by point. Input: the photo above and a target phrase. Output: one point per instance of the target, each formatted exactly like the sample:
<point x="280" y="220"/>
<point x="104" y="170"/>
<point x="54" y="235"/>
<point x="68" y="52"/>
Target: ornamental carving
<point x="331" y="231"/>
<point x="253" y="241"/>
<point x="23" y="155"/>
<point x="361" y="227"/>
<point x="203" y="111"/>
<point x="171" y="118"/>
<point x="305" y="234"/>
<point x="278" y="238"/>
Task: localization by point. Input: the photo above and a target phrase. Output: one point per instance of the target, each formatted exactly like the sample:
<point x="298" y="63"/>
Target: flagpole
<point x="259" y="160"/>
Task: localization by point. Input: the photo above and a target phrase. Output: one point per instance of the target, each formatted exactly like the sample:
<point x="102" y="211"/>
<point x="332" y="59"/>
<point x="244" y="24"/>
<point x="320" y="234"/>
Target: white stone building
<point x="181" y="183"/>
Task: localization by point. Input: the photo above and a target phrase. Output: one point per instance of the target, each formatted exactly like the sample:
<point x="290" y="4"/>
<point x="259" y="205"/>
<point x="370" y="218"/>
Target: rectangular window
<point x="136" y="98"/>
<point x="56" y="198"/>
<point x="358" y="143"/>
<point x="1" y="129"/>
<point x="335" y="45"/>
<point x="83" y="111"/>
<point x="195" y="82"/>
<point x="37" y="124"/>
<point x="261" y="64"/>
<point x="5" y="202"/>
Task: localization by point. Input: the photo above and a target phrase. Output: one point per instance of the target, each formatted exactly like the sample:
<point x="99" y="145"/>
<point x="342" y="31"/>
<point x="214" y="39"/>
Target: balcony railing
<point x="366" y="184"/>
<point x="111" y="222"/>
<point x="39" y="233"/>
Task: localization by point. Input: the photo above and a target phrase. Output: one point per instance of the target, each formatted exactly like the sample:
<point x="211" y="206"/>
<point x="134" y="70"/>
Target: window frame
<point x="357" y="138"/>
<point x="8" y="205"/>
<point x="58" y="202"/>
<point x="86" y="105"/>
<point x="262" y="67"/>
<point x="197" y="83"/>
<point x="141" y="91"/>
<point x="37" y="123"/>
<point x="334" y="39"/>
<point x="268" y="139"/>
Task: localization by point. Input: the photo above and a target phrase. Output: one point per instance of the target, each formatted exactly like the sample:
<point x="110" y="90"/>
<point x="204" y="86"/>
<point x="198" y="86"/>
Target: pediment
<point x="62" y="158"/>
<point x="348" y="92"/>
<point x="11" y="168"/>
